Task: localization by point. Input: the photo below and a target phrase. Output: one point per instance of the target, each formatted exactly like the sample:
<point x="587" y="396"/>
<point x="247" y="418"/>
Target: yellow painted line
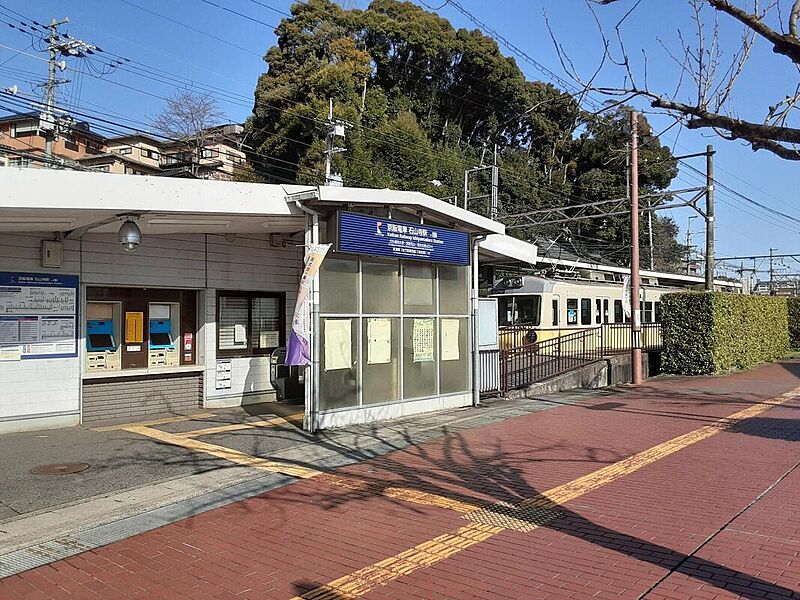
<point x="424" y="555"/>
<point x="199" y="415"/>
<point x="361" y="582"/>
<point x="234" y="456"/>
<point x="273" y="422"/>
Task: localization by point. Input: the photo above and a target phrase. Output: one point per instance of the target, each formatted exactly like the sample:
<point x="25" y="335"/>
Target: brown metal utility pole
<point x="636" y="311"/>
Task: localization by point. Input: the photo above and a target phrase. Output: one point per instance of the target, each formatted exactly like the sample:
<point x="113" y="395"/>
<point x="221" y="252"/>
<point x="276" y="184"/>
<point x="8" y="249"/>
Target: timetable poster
<point x="38" y="316"/>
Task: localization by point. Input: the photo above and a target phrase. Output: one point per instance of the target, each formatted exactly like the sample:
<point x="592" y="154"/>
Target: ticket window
<point x="103" y="324"/>
<point x="163" y="334"/>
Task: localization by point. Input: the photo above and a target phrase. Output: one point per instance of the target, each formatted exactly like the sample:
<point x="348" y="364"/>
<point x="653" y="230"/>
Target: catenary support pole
<point x="636" y="322"/>
<point x="709" y="218"/>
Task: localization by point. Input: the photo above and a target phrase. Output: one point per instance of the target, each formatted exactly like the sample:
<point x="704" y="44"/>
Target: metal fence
<point x="524" y="361"/>
<point x="616" y="337"/>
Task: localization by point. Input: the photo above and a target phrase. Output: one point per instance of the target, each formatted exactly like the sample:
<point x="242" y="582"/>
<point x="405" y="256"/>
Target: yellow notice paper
<point x="338" y="344"/>
<point x="379" y="341"/>
<point x="450" y="329"/>
<point x="422" y="337"/>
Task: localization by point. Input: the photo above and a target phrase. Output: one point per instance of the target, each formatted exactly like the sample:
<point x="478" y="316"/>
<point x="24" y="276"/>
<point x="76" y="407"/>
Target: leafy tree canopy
<point x="426" y="102"/>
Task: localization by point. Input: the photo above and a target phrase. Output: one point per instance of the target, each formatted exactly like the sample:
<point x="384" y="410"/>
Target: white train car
<point x="533" y="308"/>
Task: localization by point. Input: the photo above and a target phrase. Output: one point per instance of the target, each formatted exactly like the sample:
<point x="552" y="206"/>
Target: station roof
<point x="434" y="211"/>
<point x="51" y="200"/>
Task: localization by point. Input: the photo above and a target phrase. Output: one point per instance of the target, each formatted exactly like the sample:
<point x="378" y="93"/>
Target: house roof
<point x="80" y="127"/>
<point x="110" y="157"/>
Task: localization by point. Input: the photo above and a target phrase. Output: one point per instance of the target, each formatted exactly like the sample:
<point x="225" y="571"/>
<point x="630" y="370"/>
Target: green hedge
<point x="716" y="332"/>
<point x="794" y="322"/>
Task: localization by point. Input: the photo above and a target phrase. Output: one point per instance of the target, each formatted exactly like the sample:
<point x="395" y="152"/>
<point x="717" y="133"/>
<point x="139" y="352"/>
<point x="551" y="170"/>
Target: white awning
<point x="62" y="201"/>
<point x="504" y="249"/>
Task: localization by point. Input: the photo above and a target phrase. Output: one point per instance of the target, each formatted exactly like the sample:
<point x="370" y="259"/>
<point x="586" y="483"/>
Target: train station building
<point x="123" y="297"/>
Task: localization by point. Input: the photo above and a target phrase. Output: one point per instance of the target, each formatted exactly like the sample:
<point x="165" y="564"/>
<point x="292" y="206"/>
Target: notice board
<point x="38" y="316"/>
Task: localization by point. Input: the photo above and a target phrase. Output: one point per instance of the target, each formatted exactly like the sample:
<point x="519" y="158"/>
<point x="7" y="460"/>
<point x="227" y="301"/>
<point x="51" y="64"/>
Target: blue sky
<point x="230" y="61"/>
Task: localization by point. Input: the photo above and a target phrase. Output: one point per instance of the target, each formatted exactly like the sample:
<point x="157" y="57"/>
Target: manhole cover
<point x="59" y="469"/>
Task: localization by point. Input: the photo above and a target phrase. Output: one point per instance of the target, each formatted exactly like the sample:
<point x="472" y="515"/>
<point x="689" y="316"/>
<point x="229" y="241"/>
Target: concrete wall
<point x="611" y="370"/>
<point x="132" y="398"/>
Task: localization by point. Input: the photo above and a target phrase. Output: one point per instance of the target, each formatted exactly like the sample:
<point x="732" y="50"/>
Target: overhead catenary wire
<point x="166" y="80"/>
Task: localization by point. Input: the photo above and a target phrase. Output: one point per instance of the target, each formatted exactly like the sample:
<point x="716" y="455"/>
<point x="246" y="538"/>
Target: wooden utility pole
<point x="636" y="311"/>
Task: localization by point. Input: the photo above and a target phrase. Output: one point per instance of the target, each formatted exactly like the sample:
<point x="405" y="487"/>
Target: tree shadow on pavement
<point x="453" y="470"/>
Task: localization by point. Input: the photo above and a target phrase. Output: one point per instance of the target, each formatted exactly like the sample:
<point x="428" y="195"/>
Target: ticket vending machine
<point x="102" y="347"/>
<point x="163" y="328"/>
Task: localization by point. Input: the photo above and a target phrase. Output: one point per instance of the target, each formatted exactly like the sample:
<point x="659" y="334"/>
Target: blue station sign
<point x="365" y="234"/>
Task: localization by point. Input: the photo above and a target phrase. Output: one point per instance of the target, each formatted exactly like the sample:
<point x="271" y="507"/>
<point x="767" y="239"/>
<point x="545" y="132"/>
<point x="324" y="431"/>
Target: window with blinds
<point x="249" y="323"/>
<point x="233" y="322"/>
<point x="266" y="323"/>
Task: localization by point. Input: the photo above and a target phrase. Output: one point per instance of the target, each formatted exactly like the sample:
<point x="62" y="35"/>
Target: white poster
<point x="422" y="337"/>
<point x="379" y="341"/>
<point x="239" y="334"/>
<point x="450" y="330"/>
<point x="38" y="315"/>
<point x="9" y="331"/>
<point x="338" y="344"/>
<point x="269" y="339"/>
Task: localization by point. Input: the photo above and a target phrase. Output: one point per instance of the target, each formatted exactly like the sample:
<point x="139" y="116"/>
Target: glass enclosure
<point x="392" y="331"/>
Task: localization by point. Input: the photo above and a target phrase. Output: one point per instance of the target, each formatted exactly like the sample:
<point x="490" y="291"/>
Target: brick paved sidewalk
<point x="683" y="488"/>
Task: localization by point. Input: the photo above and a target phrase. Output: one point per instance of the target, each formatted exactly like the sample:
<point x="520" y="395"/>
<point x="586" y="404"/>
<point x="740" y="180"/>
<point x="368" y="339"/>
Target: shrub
<point x="794" y="322"/>
<point x="716" y="332"/>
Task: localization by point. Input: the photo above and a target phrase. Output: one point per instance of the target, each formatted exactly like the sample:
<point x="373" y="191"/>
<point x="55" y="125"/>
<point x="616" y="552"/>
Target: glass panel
<point x="572" y="311"/>
<point x="380" y="287"/>
<point x="598" y="310"/>
<point x="605" y="310"/>
<point x="454" y="291"/>
<point x="529" y="310"/>
<point x="381" y="360"/>
<point x="617" y="311"/>
<point x="586" y="311"/>
<point x="338" y="374"/>
<point x="418" y="279"/>
<point x="505" y="311"/>
<point x="555" y="312"/>
<point x="232" y="332"/>
<point x="648" y="312"/>
<point x="266" y="333"/>
<point x="338" y="290"/>
<point x="419" y="357"/>
<point x="454" y="366"/>
<point x="658" y="312"/>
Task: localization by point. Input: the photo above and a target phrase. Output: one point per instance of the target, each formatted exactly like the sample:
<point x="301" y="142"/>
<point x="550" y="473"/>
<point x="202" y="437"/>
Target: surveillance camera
<point x="129" y="236"/>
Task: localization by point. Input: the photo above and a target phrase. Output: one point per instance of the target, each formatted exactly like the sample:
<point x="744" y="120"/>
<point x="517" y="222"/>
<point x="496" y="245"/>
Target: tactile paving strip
<point x="509" y="516"/>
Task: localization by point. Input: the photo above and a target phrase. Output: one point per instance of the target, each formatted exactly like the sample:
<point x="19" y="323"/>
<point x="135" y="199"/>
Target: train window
<point x="605" y="310"/>
<point x="556" y="310"/>
<point x="572" y="311"/>
<point x="586" y="311"/>
<point x="520" y="310"/>
<point x="648" y="312"/>
<point x="617" y="311"/>
<point x="657" y="312"/>
<point x="529" y="310"/>
<point x="598" y="310"/>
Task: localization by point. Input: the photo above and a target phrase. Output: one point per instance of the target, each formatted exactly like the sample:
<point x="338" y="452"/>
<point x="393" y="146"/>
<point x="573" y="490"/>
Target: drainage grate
<point x="59" y="469"/>
<point x="509" y="516"/>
